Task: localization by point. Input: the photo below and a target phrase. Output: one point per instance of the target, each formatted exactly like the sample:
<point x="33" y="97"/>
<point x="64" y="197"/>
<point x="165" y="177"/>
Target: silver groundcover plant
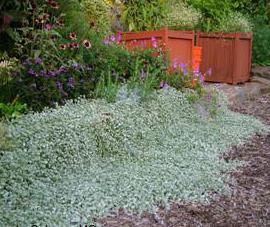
<point x="89" y="158"/>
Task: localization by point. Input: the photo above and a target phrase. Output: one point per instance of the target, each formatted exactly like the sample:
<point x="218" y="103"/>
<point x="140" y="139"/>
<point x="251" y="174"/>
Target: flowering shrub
<point x="181" y="77"/>
<point x="39" y="85"/>
<point x="235" y="22"/>
<point x="141" y="15"/>
<point x="182" y="16"/>
<point x="90" y="158"/>
<point x="62" y="60"/>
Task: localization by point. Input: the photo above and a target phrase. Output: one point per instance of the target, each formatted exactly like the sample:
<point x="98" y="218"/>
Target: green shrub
<point x="213" y="12"/>
<point x="254" y="9"/>
<point x="182" y="16"/>
<point x="141" y="15"/>
<point x="261" y="43"/>
<point x="219" y="16"/>
<point x="107" y="87"/>
<point x="259" y="12"/>
<point x="98" y="16"/>
<point x="13" y="110"/>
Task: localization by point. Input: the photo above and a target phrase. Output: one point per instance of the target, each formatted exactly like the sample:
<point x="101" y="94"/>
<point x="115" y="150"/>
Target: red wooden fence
<point x="228" y="55"/>
<point x="179" y="44"/>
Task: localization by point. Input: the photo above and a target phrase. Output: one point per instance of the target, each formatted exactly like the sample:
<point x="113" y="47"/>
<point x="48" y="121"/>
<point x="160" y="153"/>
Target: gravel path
<point x="249" y="204"/>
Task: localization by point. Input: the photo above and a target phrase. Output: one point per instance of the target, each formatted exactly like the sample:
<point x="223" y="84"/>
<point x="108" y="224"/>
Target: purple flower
<point x="43" y="73"/>
<point x="62" y="69"/>
<point x="38" y="61"/>
<point x="59" y="85"/>
<point x="48" y="27"/>
<point x="106" y="42"/>
<point x="209" y="72"/>
<point x="112" y="38"/>
<point x="51" y="74"/>
<point x="196" y="73"/>
<point x="182" y="67"/>
<point x="143" y="75"/>
<point x="31" y="72"/>
<point x="27" y="62"/>
<point x="163" y="85"/>
<point x="174" y="65"/>
<point x="70" y="82"/>
<point x="202" y="78"/>
<point x="75" y="66"/>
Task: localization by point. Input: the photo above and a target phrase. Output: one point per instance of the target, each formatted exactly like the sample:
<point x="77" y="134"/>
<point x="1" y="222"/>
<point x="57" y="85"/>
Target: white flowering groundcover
<point x="89" y="158"/>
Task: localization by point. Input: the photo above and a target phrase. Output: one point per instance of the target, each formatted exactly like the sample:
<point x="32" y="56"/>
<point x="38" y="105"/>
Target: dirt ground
<point x="249" y="204"/>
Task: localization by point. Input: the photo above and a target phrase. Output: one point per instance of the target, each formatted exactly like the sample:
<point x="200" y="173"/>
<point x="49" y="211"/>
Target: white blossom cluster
<point x="236" y="22"/>
<point x="182" y="16"/>
<point x="90" y="158"/>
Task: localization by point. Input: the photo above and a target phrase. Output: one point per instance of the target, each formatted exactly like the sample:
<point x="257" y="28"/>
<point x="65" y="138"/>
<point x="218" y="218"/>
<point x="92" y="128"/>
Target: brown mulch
<point x="249" y="203"/>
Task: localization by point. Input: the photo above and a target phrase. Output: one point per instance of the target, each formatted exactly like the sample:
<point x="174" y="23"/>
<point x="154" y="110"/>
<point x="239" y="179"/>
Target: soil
<point x="249" y="203"/>
<point x="261" y="71"/>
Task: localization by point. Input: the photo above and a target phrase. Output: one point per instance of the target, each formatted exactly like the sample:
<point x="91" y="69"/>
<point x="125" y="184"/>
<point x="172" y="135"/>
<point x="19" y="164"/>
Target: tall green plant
<point x="140" y="15"/>
<point x="213" y="12"/>
<point x="98" y="16"/>
<point x="261" y="43"/>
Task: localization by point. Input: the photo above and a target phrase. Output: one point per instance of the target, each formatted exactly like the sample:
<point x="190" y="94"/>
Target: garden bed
<point x="90" y="159"/>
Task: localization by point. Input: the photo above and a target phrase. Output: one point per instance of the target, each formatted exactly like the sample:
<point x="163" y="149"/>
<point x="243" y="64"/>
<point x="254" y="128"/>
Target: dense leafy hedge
<point x="89" y="158"/>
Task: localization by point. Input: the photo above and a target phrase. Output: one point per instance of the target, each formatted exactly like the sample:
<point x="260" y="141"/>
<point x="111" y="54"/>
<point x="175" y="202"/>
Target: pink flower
<point x="48" y="27"/>
<point x="154" y="42"/>
<point x="53" y="4"/>
<point x="74" y="45"/>
<point x="106" y="42"/>
<point x="119" y="38"/>
<point x="174" y="65"/>
<point x="163" y="85"/>
<point x="87" y="44"/>
<point x="72" y="36"/>
<point x="113" y="38"/>
<point x="63" y="46"/>
<point x="209" y="72"/>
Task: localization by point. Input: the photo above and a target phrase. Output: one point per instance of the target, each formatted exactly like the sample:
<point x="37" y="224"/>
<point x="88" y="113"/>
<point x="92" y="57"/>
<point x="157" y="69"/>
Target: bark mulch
<point x="249" y="203"/>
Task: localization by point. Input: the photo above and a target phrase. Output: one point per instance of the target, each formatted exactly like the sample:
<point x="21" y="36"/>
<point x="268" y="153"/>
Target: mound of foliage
<point x="4" y="141"/>
<point x="220" y="16"/>
<point x="182" y="16"/>
<point x="89" y="158"/>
